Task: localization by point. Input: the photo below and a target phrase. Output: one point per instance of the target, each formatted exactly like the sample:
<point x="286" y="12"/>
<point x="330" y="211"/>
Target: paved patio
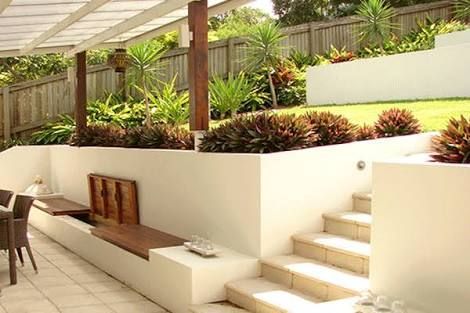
<point x="66" y="283"/>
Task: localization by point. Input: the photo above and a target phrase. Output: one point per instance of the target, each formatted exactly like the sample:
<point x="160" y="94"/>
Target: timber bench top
<point x="135" y="238"/>
<point x="61" y="206"/>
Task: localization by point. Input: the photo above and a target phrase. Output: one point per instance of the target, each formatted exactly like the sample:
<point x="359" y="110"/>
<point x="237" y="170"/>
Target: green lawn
<point x="433" y="114"/>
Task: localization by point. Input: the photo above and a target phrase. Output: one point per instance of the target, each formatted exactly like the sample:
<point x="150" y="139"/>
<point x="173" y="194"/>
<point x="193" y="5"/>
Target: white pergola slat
<point x="72" y="26"/>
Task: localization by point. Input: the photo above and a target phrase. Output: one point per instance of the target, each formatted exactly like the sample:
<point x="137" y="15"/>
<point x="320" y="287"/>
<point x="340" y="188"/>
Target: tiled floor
<point x="65" y="283"/>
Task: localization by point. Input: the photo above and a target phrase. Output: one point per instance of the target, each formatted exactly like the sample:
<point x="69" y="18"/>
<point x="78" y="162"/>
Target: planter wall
<point x="247" y="202"/>
<point x="420" y="234"/>
<point x="455" y="38"/>
<point x="437" y="73"/>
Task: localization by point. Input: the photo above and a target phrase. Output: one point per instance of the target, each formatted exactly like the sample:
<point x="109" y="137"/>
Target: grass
<point x="433" y="114"/>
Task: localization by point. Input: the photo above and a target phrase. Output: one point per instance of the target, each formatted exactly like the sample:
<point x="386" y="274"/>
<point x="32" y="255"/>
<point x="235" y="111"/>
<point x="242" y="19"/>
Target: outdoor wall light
<point x="361" y="165"/>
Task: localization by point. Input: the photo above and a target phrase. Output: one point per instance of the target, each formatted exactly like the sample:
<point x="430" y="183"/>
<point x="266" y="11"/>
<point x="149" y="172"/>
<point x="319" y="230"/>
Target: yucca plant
<point x="259" y="133"/>
<point x="302" y="60"/>
<point x="365" y="132"/>
<point x="54" y="133"/>
<point x="99" y="135"/>
<point x="396" y="122"/>
<point x="227" y="96"/>
<point x="462" y="9"/>
<point x="376" y="17"/>
<point x="330" y="128"/>
<point x="452" y="145"/>
<point x="143" y="70"/>
<point x="160" y="136"/>
<point x="264" y="51"/>
<point x="169" y="106"/>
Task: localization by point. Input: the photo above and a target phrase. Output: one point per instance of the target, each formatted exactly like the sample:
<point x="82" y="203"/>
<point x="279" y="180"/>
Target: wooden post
<point x="80" y="92"/>
<point x="6" y="114"/>
<point x="230" y="55"/>
<point x="198" y="69"/>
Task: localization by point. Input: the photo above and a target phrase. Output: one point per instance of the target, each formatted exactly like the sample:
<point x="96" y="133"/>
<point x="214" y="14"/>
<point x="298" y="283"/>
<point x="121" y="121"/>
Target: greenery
<point x="169" y="106"/>
<point x="452" y="145"/>
<point x="55" y="133"/>
<point x="227" y="96"/>
<point x="259" y="133"/>
<point x="264" y="51"/>
<point x="365" y="132"/>
<point x="143" y="71"/>
<point x="376" y="17"/>
<point x="396" y="122"/>
<point x="331" y="128"/>
<point x="462" y="9"/>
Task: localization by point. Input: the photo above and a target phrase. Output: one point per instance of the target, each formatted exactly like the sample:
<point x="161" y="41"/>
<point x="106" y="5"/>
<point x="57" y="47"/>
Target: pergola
<point x="74" y="26"/>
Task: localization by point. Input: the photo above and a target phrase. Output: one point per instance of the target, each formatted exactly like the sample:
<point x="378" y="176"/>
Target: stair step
<point x="216" y="308"/>
<point x="318" y="279"/>
<point x="335" y="250"/>
<point x="262" y="296"/>
<point x="362" y="202"/>
<point x="355" y="225"/>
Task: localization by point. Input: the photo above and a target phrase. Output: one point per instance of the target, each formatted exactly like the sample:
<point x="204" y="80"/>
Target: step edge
<point x="335" y="249"/>
<point x="329" y="216"/>
<point x="362" y="196"/>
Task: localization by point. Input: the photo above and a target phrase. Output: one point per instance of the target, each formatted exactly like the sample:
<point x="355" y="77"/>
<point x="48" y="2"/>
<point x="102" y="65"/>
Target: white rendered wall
<point x="180" y="192"/>
<point x="436" y="73"/>
<point x="297" y="187"/>
<point x="421" y="233"/>
<point x="451" y="39"/>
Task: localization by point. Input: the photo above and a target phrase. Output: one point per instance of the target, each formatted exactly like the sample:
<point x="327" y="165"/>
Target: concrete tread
<point x="363" y="195"/>
<point x="350" y="217"/>
<point x="335" y="242"/>
<point x="274" y="295"/>
<point x="311" y="269"/>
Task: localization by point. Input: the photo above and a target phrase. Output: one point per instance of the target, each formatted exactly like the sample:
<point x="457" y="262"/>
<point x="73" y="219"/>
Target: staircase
<point x="325" y="266"/>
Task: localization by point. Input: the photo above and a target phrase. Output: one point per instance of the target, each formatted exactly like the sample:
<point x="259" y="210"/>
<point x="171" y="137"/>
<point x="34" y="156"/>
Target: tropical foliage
<point x="55" y="132"/>
<point x="452" y="145"/>
<point x="396" y="122"/>
<point x="376" y="17"/>
<point x="169" y="106"/>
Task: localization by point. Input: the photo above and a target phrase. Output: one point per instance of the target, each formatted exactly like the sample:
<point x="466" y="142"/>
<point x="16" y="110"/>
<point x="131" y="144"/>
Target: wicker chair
<point x="5" y="197"/>
<point x="21" y="210"/>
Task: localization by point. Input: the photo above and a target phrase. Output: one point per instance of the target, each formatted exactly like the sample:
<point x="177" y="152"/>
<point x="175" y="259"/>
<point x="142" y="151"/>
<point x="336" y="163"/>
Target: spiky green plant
<point x="259" y="133"/>
<point x="143" y="70"/>
<point x="365" y="132"/>
<point x="264" y="51"/>
<point x="160" y="136"/>
<point x="452" y="145"/>
<point x="376" y="21"/>
<point x="330" y="128"/>
<point x="54" y="133"/>
<point x="227" y="96"/>
<point x="462" y="9"/>
<point x="99" y="135"/>
<point x="396" y="122"/>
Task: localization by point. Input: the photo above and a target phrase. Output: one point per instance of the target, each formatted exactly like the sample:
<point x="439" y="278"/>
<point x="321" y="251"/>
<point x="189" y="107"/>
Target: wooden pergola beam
<point x="57" y="28"/>
<point x="80" y="92"/>
<point x="198" y="69"/>
<point x="146" y="16"/>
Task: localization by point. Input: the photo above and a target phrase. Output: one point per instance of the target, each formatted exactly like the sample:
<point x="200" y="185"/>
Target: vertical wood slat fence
<point x="27" y="106"/>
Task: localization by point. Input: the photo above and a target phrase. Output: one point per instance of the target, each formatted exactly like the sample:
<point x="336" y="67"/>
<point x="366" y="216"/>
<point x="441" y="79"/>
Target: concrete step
<point x="362" y="202"/>
<point x="335" y="250"/>
<point x="319" y="280"/>
<point x="216" y="308"/>
<point x="262" y="296"/>
<point x="351" y="224"/>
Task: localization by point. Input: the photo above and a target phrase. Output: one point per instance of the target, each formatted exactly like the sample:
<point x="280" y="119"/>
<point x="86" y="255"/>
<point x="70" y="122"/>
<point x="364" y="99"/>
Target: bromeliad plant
<point x="99" y="135"/>
<point x="452" y="145"/>
<point x="365" y="132"/>
<point x="160" y="136"/>
<point x="330" y="128"/>
<point x="396" y="122"/>
<point x="228" y="96"/>
<point x="259" y="133"/>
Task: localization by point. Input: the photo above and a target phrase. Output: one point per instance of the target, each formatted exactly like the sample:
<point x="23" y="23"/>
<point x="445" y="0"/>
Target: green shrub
<point x="160" y="136"/>
<point x="452" y="145"/>
<point x="376" y="21"/>
<point x="259" y="133"/>
<point x="462" y="9"/>
<point x="99" y="135"/>
<point x="55" y="133"/>
<point x="330" y="128"/>
<point x="302" y="60"/>
<point x="396" y="122"/>
<point x="169" y="106"/>
<point x="365" y="132"/>
<point x="114" y="111"/>
<point x="13" y="142"/>
<point x="229" y="95"/>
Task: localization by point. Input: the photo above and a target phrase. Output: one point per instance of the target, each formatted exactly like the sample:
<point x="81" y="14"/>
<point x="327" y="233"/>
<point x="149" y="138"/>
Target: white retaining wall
<point x="436" y="73"/>
<point x="451" y="39"/>
<point x="420" y="234"/>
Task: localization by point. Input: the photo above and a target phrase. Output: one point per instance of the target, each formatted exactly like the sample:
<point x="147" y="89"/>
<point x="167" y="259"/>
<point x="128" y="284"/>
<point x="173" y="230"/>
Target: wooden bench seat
<point x="61" y="206"/>
<point x="137" y="239"/>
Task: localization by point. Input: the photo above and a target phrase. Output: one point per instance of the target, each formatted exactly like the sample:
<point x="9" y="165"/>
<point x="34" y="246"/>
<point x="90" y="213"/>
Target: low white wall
<point x="297" y="187"/>
<point x="451" y="39"/>
<point x="20" y="165"/>
<point x="437" y="73"/>
<point x="180" y="192"/>
<point x="420" y="234"/>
